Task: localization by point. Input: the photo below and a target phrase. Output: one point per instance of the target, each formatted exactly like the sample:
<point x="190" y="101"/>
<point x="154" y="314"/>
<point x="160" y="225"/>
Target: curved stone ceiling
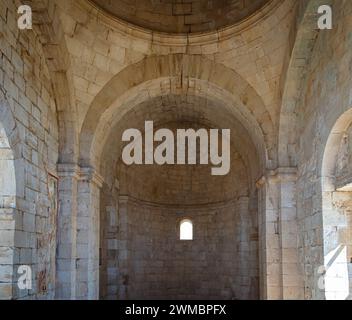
<point x="185" y="16"/>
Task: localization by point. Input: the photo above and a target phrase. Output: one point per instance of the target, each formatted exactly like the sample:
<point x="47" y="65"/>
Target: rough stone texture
<point x="28" y="153"/>
<point x="181" y="16"/>
<point x="140" y="244"/>
<point x="326" y="98"/>
<point x="155" y="264"/>
<point x="70" y="86"/>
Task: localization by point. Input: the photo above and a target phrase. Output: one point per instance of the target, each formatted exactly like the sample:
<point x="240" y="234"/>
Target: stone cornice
<point x="80" y="173"/>
<point x="89" y="174"/>
<point x="68" y="170"/>
<point x="124" y="199"/>
<point x="282" y="174"/>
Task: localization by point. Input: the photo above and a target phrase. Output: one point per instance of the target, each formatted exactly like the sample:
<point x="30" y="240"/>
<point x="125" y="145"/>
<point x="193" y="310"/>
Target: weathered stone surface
<point x="90" y="227"/>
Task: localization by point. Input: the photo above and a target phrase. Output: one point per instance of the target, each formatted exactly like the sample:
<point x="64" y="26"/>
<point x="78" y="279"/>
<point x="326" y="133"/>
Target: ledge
<point x="177" y="207"/>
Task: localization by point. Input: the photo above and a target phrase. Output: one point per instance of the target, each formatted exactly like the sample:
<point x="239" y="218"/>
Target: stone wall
<point x="141" y="207"/>
<point x="220" y="263"/>
<point x="186" y="184"/>
<point x="280" y="84"/>
<point x="109" y="265"/>
<point x="28" y="114"/>
<point x="325" y="99"/>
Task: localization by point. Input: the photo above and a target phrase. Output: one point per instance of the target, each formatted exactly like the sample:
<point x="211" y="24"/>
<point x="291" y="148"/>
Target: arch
<point x="336" y="209"/>
<point x="177" y="72"/>
<point x="8" y="192"/>
<point x="294" y="85"/>
<point x="50" y="30"/>
<point x="332" y="149"/>
<point x="104" y="134"/>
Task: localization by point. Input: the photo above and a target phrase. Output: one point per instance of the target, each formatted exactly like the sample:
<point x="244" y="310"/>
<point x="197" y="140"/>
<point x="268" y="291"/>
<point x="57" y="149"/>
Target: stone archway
<point x="180" y="75"/>
<point x="224" y="211"/>
<point x="150" y="75"/>
<point x="8" y="192"/>
<point x="337" y="210"/>
<point x="295" y="82"/>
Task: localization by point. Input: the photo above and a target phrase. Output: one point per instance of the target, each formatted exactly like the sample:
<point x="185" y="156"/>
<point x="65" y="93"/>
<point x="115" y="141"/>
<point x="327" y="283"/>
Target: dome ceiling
<point x="185" y="16"/>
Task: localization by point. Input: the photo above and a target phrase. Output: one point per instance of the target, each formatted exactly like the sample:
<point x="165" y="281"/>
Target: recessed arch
<point x="149" y="77"/>
<point x="146" y="195"/>
<point x="336" y="182"/>
<point x="332" y="147"/>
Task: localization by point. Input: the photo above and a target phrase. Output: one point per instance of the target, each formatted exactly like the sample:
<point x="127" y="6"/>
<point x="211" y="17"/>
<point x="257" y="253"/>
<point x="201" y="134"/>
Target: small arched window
<point x="186" y="229"/>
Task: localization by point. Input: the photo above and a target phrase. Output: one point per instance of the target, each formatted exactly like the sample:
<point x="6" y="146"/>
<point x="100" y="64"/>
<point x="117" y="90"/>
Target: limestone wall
<point x="220" y="263"/>
<point x="28" y="114"/>
<point x="326" y="96"/>
<point x="141" y="254"/>
<point x="70" y="86"/>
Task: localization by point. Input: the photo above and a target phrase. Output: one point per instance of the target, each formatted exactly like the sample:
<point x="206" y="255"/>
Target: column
<point x="292" y="277"/>
<point x="88" y="239"/>
<point x="123" y="248"/>
<point x="269" y="240"/>
<point x="281" y="274"/>
<point x="244" y="248"/>
<point x="66" y="232"/>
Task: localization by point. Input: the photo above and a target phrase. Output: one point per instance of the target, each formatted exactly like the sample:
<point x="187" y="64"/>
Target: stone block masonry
<point x="90" y="227"/>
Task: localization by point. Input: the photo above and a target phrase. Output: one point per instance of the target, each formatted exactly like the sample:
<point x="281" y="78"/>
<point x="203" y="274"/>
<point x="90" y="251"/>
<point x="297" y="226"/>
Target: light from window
<point x="186" y="230"/>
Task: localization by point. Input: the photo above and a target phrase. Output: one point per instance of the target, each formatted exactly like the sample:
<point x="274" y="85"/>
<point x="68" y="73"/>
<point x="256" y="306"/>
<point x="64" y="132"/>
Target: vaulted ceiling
<point x="186" y="16"/>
